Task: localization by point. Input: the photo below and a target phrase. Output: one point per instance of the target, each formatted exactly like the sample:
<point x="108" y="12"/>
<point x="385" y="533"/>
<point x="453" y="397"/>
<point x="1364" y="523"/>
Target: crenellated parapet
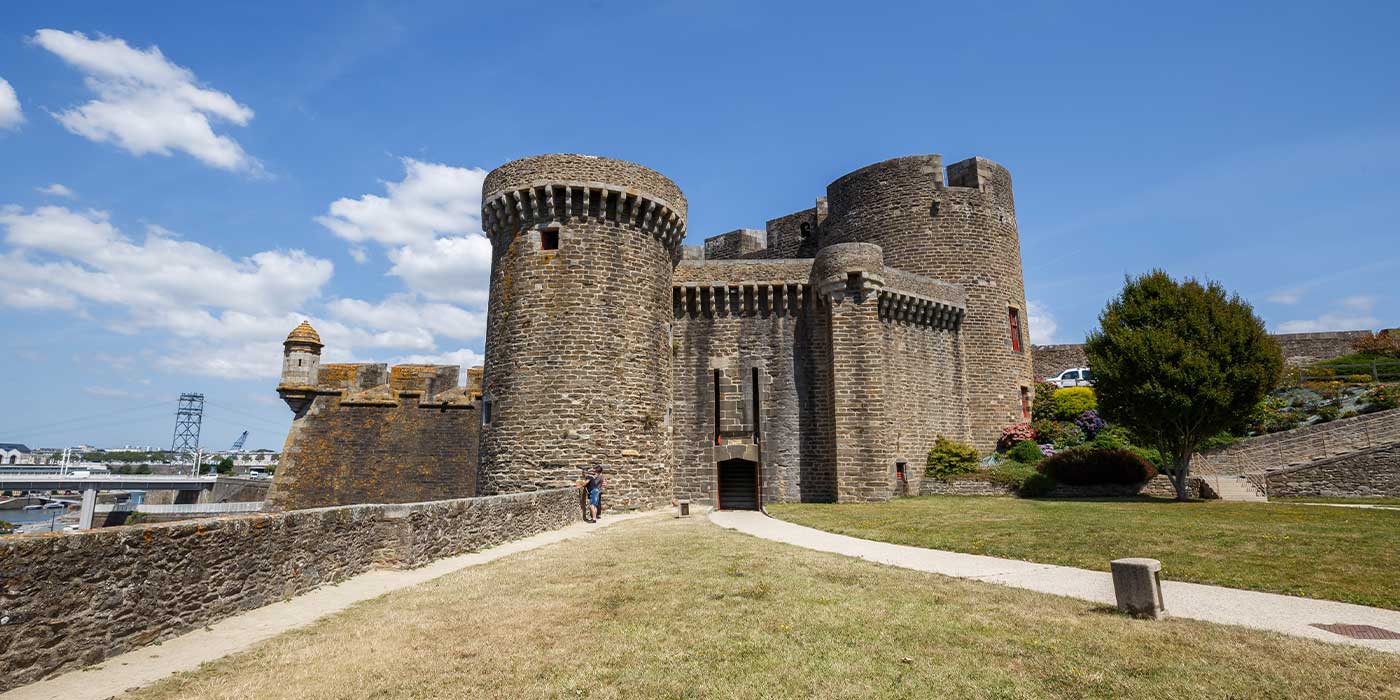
<point x="378" y="384"/>
<point x="912" y="309"/>
<point x="552" y="203"/>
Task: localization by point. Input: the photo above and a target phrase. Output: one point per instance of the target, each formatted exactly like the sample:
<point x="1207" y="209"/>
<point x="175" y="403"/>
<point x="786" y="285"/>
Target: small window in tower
<point x="1025" y="402"/>
<point x="1014" y="316"/>
<point x="486" y="405"/>
<point x="549" y="239"/>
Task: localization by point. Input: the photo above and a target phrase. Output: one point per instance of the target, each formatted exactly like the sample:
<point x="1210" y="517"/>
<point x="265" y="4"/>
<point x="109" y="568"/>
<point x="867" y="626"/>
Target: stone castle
<point x="815" y="360"/>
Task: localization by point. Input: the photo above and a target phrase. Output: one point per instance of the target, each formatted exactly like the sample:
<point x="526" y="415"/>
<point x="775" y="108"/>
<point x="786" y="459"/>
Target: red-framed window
<point x="1013" y="316"/>
<point x="1025" y="402"/>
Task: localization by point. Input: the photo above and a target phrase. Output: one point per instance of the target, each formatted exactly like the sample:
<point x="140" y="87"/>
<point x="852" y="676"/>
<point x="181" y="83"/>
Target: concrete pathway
<point x="1372" y="506"/>
<point x="148" y="664"/>
<point x="1266" y="611"/>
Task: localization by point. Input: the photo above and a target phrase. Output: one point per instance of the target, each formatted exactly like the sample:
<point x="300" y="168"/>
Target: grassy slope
<point x="1363" y="500"/>
<point x="1347" y="554"/>
<point x="682" y="609"/>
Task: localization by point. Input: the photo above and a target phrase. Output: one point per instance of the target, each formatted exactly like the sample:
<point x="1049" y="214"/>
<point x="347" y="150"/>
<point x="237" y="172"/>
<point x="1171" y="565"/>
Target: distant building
<point x="15" y="453"/>
<point x="245" y="458"/>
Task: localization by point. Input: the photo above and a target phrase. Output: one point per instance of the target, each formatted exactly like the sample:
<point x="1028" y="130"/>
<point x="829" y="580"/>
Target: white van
<point x="1078" y="376"/>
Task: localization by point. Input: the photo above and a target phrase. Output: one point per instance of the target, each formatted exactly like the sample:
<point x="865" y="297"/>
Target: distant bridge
<point x="90" y="485"/>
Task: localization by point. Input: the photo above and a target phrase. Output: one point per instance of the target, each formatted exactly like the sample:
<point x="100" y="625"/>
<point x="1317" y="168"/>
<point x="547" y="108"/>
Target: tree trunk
<point x="1179" y="474"/>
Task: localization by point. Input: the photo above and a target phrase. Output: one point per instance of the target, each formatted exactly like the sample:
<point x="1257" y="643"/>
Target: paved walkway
<point x="149" y="664"/>
<point x="1266" y="611"/>
<point x="1372" y="506"/>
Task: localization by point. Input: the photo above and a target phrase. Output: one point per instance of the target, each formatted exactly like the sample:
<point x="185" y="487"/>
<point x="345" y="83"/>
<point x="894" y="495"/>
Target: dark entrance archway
<point x="738" y="484"/>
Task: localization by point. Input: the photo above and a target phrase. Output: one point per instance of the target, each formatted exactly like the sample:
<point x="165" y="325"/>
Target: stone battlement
<point x="552" y="203"/>
<point x="378" y="384"/>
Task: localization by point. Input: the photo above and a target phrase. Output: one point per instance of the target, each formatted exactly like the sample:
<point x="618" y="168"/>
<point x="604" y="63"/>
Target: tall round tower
<point x="578" y="350"/>
<point x="961" y="231"/>
<point x="301" y="356"/>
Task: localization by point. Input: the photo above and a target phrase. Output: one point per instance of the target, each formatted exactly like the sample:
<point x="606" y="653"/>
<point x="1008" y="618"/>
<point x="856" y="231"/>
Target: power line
<point x="47" y="424"/>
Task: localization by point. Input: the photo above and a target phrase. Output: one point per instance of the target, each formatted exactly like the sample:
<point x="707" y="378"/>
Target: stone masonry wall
<point x="578" y="353"/>
<point x="1301" y="445"/>
<point x="71" y="600"/>
<point x="1299" y="349"/>
<point x="961" y="232"/>
<point x="924" y="393"/>
<point x="339" y="452"/>
<point x="1371" y="472"/>
<point x="734" y="317"/>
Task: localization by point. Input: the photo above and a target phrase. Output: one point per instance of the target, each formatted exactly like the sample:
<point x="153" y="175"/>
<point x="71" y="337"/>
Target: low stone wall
<point x="70" y="600"/>
<point x="1299" y="350"/>
<point x="1301" y="445"/>
<point x="963" y="487"/>
<point x="1160" y="486"/>
<point x="1373" y="472"/>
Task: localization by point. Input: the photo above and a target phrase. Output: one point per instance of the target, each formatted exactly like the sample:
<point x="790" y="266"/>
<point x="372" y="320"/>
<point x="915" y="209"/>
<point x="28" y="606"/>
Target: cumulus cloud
<point x="107" y="392"/>
<point x="429" y="223"/>
<point x="405" y="313"/>
<point x="57" y="190"/>
<point x="1041" y="323"/>
<point x="147" y="104"/>
<point x="1287" y="296"/>
<point x="1351" y="313"/>
<point x="11" y="116"/>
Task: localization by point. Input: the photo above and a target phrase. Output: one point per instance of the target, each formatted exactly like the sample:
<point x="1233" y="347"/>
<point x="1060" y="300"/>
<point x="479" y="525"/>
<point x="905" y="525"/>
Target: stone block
<point x="1137" y="586"/>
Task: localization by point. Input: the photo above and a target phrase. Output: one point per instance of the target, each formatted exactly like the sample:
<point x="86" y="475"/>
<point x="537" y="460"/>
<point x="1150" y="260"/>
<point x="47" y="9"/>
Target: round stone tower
<point x="301" y="356"/>
<point x="578" y="347"/>
<point x="962" y="230"/>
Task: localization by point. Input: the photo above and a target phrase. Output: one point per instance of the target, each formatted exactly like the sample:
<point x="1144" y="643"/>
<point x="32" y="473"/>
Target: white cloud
<point x="464" y="357"/>
<point x="11" y="116"/>
<point x="57" y="190"/>
<point x="1041" y="323"/>
<point x="432" y="200"/>
<point x="1286" y="296"/>
<point x="406" y="313"/>
<point x="430" y="225"/>
<point x="1353" y="313"/>
<point x="159" y="275"/>
<point x="147" y="104"/>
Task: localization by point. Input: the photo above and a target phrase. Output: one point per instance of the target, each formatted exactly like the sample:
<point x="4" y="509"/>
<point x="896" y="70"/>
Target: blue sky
<point x="183" y="182"/>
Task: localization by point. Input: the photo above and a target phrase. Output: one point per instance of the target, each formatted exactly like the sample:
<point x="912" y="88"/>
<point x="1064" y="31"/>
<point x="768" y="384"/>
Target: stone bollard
<point x="1137" y="585"/>
<point x="683" y="508"/>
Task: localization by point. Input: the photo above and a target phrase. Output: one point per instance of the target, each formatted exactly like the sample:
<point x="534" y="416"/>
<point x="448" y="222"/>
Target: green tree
<point x="223" y="466"/>
<point x="1178" y="362"/>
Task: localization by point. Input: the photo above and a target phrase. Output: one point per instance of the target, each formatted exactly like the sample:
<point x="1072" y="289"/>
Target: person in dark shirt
<point x="595" y="493"/>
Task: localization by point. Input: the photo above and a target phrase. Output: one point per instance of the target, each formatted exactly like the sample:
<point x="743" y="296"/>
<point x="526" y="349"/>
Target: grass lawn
<point x="1365" y="500"/>
<point x="669" y="608"/>
<point x="1346" y="554"/>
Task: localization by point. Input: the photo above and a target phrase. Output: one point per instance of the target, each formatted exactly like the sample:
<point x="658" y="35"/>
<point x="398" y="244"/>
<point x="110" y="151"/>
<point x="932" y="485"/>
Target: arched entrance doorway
<point x="738" y="484"/>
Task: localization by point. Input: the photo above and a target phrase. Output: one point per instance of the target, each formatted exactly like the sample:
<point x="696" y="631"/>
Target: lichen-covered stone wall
<point x="401" y="450"/>
<point x="70" y="600"/>
<point x="1370" y="472"/>
<point x="1301" y="445"/>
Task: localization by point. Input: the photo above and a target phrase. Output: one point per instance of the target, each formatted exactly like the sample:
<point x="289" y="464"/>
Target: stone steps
<point x="1234" y="488"/>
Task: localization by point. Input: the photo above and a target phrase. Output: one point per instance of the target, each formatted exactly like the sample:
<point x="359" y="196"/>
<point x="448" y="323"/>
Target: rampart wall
<point x="1369" y="472"/>
<point x="1301" y="445"/>
<point x="367" y="433"/>
<point x="71" y="600"/>
<point x="1299" y="349"/>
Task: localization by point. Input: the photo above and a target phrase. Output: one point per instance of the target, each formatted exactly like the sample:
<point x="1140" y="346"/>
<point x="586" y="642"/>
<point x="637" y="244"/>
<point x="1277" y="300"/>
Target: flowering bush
<point x="1072" y="401"/>
<point x="1046" y="450"/>
<point x="1381" y="398"/>
<point x="1015" y="433"/>
<point x="1090" y="422"/>
<point x="1057" y="433"/>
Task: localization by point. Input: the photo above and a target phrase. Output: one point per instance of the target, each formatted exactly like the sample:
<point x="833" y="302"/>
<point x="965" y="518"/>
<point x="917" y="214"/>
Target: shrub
<point x="950" y="458"/>
<point x="1083" y="466"/>
<point x="1327" y="412"/>
<point x="1044" y="406"/>
<point x="1357" y="378"/>
<point x="1025" y="452"/>
<point x="1027" y="481"/>
<point x="1090" y="422"/>
<point x="1112" y="438"/>
<point x="1384" y="344"/>
<point x="1381" y="398"/>
<point x="1218" y="440"/>
<point x="1072" y="401"/>
<point x="1014" y="434"/>
<point x="1061" y="434"/>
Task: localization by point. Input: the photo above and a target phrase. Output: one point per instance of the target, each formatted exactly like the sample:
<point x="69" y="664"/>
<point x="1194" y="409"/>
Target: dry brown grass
<point x="682" y="609"/>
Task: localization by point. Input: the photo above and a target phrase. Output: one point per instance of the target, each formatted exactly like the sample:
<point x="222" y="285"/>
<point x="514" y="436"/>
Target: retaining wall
<point x="1158" y="486"/>
<point x="1301" y="445"/>
<point x="1372" y="472"/>
<point x="964" y="487"/>
<point x="70" y="600"/>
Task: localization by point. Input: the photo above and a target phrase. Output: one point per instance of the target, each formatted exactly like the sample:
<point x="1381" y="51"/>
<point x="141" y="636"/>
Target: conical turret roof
<point x="304" y="334"/>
